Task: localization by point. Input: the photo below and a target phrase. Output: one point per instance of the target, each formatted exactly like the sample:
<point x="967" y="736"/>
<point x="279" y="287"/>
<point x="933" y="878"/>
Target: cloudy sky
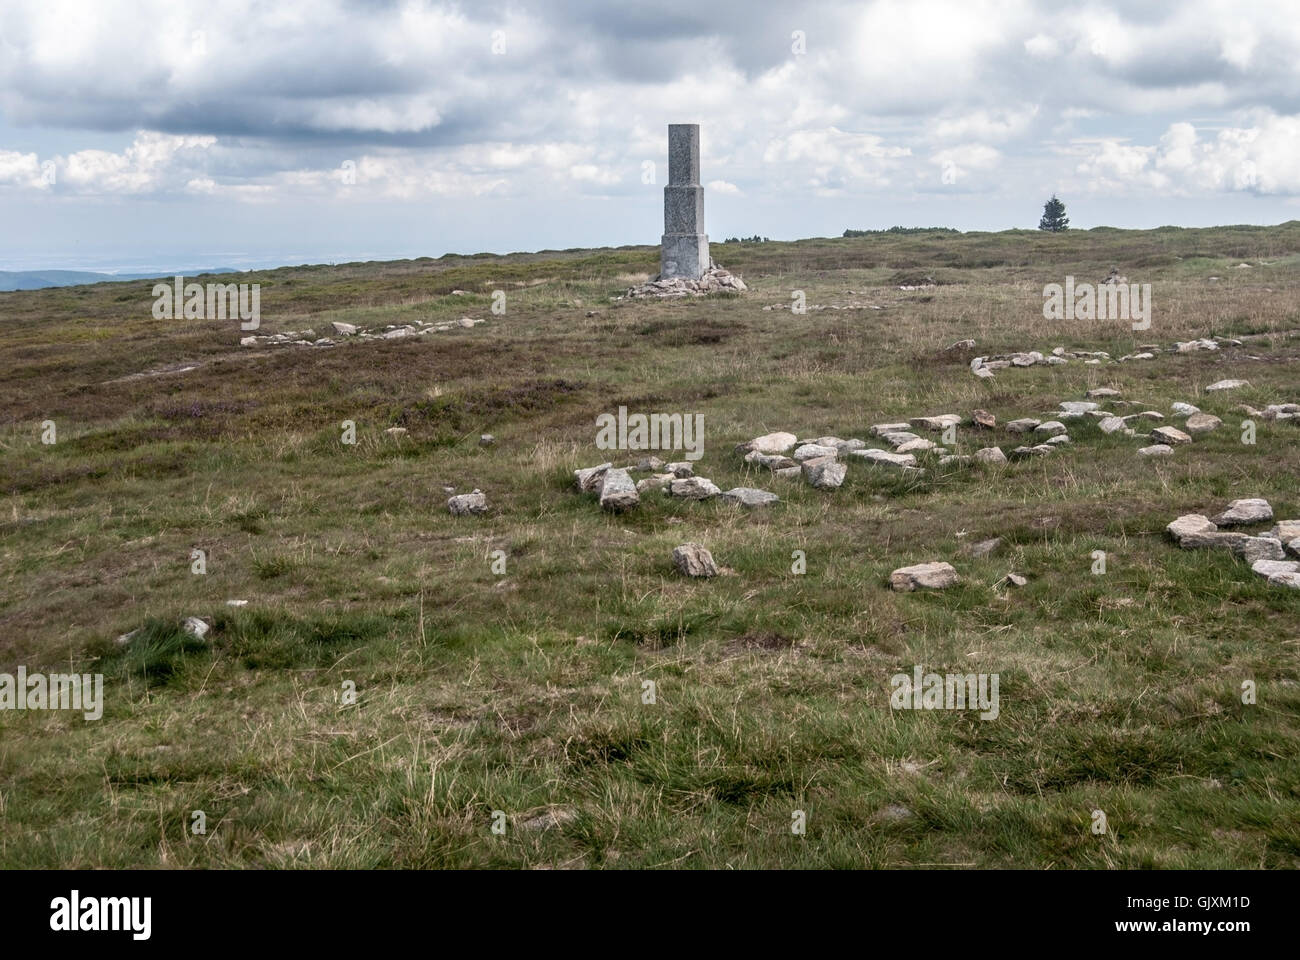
<point x="182" y="133"/>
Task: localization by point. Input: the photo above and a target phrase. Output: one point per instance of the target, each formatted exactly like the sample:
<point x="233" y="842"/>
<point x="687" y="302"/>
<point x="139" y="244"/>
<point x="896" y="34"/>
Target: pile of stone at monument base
<point x="715" y="280"/>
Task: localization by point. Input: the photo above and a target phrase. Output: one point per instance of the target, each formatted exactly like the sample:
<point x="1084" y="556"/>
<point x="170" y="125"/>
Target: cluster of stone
<point x="714" y="280"/>
<point x="985" y="367"/>
<point x="348" y="331"/>
<point x="1266" y="553"/>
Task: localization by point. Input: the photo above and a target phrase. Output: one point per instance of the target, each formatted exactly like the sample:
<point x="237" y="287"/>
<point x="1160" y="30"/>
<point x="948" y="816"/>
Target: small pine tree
<point x="1054" y="218"/>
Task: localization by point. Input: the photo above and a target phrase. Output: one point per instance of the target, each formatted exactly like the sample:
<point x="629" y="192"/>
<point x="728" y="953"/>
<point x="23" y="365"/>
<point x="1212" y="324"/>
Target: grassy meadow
<point x="516" y="698"/>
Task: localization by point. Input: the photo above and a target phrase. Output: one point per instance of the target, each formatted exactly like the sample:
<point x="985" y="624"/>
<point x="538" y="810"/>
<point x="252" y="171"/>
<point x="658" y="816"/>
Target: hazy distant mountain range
<point x="37" y="279"/>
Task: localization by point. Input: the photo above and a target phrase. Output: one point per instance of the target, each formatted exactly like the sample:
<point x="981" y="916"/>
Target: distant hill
<point x="39" y="279"/>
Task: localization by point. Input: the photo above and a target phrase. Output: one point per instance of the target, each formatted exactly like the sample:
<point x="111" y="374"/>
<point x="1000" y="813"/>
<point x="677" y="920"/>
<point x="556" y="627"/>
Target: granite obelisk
<point x="685" y="250"/>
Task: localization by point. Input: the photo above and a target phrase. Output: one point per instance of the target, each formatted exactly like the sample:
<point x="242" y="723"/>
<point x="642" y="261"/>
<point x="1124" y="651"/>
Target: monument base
<point x="684" y="255"/>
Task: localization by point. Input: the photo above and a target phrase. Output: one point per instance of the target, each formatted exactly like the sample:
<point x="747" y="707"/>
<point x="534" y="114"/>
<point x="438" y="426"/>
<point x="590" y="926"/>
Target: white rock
<point x="1050" y="429"/>
<point x="1023" y="425"/>
<point x="1226" y="385"/>
<point x="1078" y="406"/>
<point x="880" y="429"/>
<point x="1184" y="409"/>
<point x="927" y="576"/>
<point x="1266" y="568"/>
<point x="1190" y="523"/>
<point x="1111" y="424"/>
<point x="195" y="627"/>
<point x="1199" y="423"/>
<point x="1170" y="436"/>
<point x="936" y="423"/>
<point x="467" y="503"/>
<point x="1291" y="580"/>
<point x="343" y="329"/>
<point x="1156" y="450"/>
<point x="681" y="469"/>
<point x="914" y="446"/>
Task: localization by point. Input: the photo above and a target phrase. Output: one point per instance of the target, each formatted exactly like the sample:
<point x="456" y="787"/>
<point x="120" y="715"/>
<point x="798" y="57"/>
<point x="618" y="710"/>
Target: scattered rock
<point x="1015" y="579"/>
<point x="486" y="440"/>
<point x="1111" y="424"/>
<point x="1156" y="450"/>
<point x="1184" y="409"/>
<point x="343" y="329"/>
<point x="880" y="429"/>
<point x="396" y="431"/>
<point x="773" y="462"/>
<point x="1050" y="429"/>
<point x="1239" y="512"/>
<point x="1098" y="393"/>
<point x="982" y="418"/>
<point x="467" y="503"/>
<point x="693" y="560"/>
<point x="556" y="817"/>
<point x="681" y="469"/>
<point x="1291" y="580"/>
<point x="885" y="457"/>
<point x="1023" y="425"/>
<point x="660" y="481"/>
<point x="928" y="576"/>
<point x="196" y="627"/>
<point x="1286" y="530"/>
<point x="1078" y="406"/>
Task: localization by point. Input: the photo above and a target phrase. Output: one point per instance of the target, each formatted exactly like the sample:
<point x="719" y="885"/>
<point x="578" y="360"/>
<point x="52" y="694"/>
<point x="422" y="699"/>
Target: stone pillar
<point x="685" y="251"/>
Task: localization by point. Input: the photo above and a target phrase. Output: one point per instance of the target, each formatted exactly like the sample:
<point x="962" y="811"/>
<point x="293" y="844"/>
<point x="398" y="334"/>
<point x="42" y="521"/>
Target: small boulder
<point x="813" y="451"/>
<point x="770" y="443"/>
<point x="1023" y="425"/>
<point x="1226" y="385"/>
<point x="693" y="488"/>
<point x="824" y="473"/>
<point x="1199" y="423"/>
<point x="693" y="560"/>
<point x="990" y="455"/>
<point x="1156" y="450"/>
<point x="465" y="504"/>
<point x="1190" y="523"/>
<point x="923" y="576"/>
<point x="588" y="479"/>
<point x="196" y="627"/>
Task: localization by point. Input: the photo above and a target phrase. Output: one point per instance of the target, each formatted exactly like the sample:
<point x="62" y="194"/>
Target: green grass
<point x="523" y="693"/>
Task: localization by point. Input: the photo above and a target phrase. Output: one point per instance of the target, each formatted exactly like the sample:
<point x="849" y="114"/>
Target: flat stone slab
<point x="1227" y="385"/>
<point x="750" y="497"/>
<point x="873" y="455"/>
<point x="812" y="451"/>
<point x="923" y="576"/>
<point x="1156" y="450"/>
<point x="1190" y="523"/>
<point x="1266" y="568"/>
<point x="1100" y="393"/>
<point x="1199" y="423"/>
<point x="693" y="488"/>
<point x="1249" y="510"/>
<point x="1078" y="406"/>
<point x="936" y="423"/>
<point x="1184" y="409"/>
<point x="880" y="429"/>
<point x="1023" y="425"/>
<point x="771" y="443"/>
<point x="1170" y="436"/>
<point x="1050" y="429"/>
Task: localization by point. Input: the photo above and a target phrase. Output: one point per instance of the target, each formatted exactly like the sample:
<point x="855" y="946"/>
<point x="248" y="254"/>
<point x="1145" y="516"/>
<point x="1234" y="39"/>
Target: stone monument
<point x="685" y="250"/>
